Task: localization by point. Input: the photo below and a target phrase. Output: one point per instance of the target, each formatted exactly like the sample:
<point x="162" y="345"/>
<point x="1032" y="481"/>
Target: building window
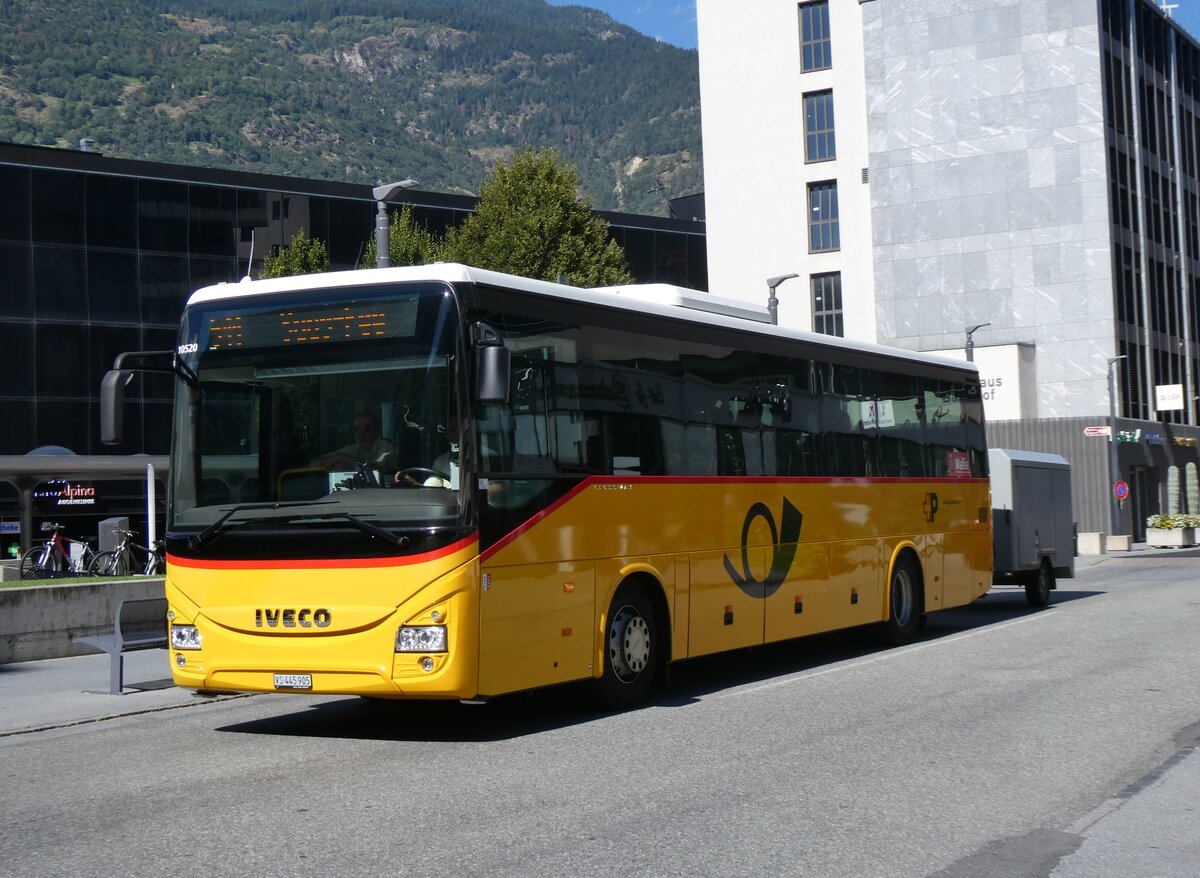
<point x="819" y="145"/>
<point x="814" y="36"/>
<point x="823" y="232"/>
<point x="827" y="303"/>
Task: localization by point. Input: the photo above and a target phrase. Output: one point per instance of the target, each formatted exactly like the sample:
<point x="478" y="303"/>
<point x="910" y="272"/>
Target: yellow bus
<point x="443" y="482"/>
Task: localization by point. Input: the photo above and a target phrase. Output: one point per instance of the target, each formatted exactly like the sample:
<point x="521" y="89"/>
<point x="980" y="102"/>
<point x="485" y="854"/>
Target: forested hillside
<point x="357" y="90"/>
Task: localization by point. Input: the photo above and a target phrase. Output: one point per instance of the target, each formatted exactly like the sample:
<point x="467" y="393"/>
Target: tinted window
<point x="112" y="212"/>
<point x="16" y="281"/>
<point x="62" y="360"/>
<point x="113" y="287"/>
<point x="16" y="340"/>
<point x="58" y="207"/>
<point x="60" y="285"/>
<point x="14" y="218"/>
<point x="17" y="435"/>
<point x="163" y="216"/>
<point x="164" y="288"/>
<point x="213" y="221"/>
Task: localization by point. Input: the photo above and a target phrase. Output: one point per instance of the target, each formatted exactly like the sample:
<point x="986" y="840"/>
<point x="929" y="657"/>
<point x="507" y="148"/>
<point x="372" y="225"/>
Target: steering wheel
<point x="424" y="471"/>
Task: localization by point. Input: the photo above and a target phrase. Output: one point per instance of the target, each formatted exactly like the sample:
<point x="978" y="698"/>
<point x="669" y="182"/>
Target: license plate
<point x="293" y="681"/>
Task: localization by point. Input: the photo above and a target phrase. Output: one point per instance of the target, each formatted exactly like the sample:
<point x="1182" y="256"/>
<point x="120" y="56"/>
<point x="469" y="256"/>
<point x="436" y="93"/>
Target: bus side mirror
<point x="112" y="405"/>
<point x="491" y="364"/>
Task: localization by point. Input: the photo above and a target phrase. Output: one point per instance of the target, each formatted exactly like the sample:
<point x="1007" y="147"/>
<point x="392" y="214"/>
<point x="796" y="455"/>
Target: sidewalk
<point x="69" y="691"/>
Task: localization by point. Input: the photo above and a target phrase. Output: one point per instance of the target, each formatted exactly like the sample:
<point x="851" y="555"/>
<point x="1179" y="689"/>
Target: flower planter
<point x="1172" y="537"/>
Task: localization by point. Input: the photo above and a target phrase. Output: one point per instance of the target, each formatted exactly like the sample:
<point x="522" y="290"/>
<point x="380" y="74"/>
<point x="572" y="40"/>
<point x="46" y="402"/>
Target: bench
<point x="137" y="624"/>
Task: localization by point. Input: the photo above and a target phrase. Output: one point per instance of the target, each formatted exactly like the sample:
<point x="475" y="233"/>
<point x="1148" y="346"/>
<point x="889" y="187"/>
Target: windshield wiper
<point x="214" y="530"/>
<point x="365" y="526"/>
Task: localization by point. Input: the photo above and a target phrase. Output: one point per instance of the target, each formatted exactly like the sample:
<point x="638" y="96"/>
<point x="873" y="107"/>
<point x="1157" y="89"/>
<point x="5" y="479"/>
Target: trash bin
<point x="109" y="538"/>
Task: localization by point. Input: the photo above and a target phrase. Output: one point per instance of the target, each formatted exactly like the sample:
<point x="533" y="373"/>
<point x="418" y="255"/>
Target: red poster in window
<point x="958" y="464"/>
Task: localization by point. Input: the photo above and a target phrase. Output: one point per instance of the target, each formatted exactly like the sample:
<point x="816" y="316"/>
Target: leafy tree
<point x="532" y="221"/>
<point x="409" y="243"/>
<point x="304" y="255"/>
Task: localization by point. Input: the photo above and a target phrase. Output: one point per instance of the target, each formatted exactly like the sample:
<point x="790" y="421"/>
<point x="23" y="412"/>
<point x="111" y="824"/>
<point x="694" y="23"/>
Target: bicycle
<point x="58" y="556"/>
<point x="120" y="561"/>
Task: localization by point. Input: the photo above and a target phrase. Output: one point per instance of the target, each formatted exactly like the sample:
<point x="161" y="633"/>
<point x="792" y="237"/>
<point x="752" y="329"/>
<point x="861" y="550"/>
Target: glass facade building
<point x="98" y="256"/>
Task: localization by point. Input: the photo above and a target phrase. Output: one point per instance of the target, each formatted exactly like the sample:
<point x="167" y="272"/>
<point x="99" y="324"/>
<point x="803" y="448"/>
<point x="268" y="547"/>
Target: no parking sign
<point x="1120" y="490"/>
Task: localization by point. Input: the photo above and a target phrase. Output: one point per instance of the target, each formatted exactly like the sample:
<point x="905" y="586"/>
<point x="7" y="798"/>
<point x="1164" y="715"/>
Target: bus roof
<point x="676" y="303"/>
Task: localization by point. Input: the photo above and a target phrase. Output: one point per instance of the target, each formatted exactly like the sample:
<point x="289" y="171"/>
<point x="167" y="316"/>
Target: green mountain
<point x="357" y="90"/>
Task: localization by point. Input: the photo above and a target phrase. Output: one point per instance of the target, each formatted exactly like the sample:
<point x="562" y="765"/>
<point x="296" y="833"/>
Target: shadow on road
<point x="564" y="706"/>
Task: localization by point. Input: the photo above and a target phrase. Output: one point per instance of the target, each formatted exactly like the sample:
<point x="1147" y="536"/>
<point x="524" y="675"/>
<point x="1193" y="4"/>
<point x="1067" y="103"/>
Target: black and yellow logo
<point x="783" y="539"/>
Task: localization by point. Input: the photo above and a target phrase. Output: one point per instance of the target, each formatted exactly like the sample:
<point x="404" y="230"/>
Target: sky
<point x="672" y="21"/>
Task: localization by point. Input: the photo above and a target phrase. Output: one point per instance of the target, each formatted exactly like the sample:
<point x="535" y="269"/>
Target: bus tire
<point x="1039" y="584"/>
<point x="904" y="602"/>
<point x="630" y="648"/>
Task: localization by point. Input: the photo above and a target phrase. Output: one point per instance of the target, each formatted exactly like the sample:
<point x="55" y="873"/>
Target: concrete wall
<point x="41" y="622"/>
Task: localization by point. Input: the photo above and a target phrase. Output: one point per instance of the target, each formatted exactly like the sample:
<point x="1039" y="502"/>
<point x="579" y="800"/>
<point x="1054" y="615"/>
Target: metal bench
<point x="137" y="624"/>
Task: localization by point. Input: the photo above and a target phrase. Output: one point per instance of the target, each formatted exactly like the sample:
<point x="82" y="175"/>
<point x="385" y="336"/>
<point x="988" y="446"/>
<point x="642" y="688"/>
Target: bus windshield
<point x="326" y="405"/>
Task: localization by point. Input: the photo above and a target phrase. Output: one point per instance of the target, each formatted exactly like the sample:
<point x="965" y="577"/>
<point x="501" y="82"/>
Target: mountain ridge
<point x="357" y="90"/>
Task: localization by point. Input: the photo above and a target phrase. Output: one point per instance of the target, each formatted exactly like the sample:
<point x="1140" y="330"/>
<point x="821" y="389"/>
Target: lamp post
<point x="772" y="301"/>
<point x="1114" y="471"/>
<point x="382" y="194"/>
<point x="971" y="340"/>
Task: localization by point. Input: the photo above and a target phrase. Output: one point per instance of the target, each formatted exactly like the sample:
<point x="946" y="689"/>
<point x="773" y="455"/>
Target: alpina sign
<point x="65" y="494"/>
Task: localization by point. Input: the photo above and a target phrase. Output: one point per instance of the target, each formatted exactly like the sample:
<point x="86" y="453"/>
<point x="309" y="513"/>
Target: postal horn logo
<point x="783" y="539"/>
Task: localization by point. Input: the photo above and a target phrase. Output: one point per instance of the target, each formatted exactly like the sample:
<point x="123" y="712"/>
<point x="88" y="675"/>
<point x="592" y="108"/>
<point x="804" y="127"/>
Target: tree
<point x="408" y="242"/>
<point x="304" y="255"/>
<point x="532" y="221"/>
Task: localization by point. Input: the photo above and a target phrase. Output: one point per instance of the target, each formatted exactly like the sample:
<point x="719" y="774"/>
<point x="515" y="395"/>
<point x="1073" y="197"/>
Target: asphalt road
<point x="1001" y="744"/>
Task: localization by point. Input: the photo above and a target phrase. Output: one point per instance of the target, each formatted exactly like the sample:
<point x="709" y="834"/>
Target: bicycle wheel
<point x="109" y="564"/>
<point x="40" y="562"/>
<point x="155" y="565"/>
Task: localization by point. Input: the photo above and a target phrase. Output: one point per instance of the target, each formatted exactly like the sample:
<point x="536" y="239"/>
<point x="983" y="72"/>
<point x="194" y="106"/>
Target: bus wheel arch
<point x="634" y="642"/>
<point x="905" y="598"/>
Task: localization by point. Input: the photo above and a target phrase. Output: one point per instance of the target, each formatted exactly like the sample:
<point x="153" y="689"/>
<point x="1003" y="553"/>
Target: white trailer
<point x="1033" y="528"/>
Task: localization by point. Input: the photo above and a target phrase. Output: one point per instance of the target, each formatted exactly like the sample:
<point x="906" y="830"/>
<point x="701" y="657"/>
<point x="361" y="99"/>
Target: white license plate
<point x="293" y="681"/>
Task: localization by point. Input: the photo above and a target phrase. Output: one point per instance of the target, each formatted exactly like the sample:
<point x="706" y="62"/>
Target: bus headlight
<point x="185" y="637"/>
<point x="424" y="638"/>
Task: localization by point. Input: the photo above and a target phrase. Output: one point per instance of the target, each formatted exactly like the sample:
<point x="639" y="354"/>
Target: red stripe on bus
<point x="321" y="563"/>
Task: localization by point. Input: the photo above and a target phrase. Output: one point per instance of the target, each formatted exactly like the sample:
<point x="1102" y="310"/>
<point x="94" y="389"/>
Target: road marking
<point x="855" y="664"/>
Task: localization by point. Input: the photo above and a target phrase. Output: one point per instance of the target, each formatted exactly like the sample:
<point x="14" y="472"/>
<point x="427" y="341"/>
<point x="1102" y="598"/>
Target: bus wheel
<point x="1038" y="585"/>
<point x="904" y="603"/>
<point x="630" y="648"/>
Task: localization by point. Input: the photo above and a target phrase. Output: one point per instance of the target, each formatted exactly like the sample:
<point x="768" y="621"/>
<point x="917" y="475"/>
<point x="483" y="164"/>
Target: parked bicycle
<point x="58" y="556"/>
<point x="126" y="558"/>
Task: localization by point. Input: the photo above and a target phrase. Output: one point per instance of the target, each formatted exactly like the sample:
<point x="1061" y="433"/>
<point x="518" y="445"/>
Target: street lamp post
<point x="772" y="301"/>
<point x="971" y="340"/>
<point x="1114" y="469"/>
<point x="382" y="194"/>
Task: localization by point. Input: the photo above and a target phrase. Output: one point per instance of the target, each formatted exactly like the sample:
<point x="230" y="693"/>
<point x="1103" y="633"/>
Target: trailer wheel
<point x="1038" y="585"/>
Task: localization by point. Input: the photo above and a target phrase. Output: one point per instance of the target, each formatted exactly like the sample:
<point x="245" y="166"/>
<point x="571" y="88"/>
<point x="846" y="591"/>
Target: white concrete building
<point x="1029" y="169"/>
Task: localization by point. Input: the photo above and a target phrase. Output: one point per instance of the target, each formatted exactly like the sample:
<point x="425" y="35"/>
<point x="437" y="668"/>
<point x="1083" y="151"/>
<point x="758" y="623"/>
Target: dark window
<point x="827" y="303"/>
<point x="16" y="340"/>
<point x="815" y="51"/>
<point x="65" y="423"/>
<point x="819" y="144"/>
<point x="671" y="259"/>
<point x="106" y="343"/>
<point x="112" y="212"/>
<point x="212" y="222"/>
<point x="58" y="207"/>
<point x="14" y="218"/>
<point x="59" y="284"/>
<point x="164" y="288"/>
<point x="206" y="272"/>
<point x="823" y="230"/>
<point x="62" y="360"/>
<point x="16" y="281"/>
<point x="163" y="216"/>
<point x="350" y="225"/>
<point x="113" y="287"/>
<point x="639" y="252"/>
<point x="17" y="437"/>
